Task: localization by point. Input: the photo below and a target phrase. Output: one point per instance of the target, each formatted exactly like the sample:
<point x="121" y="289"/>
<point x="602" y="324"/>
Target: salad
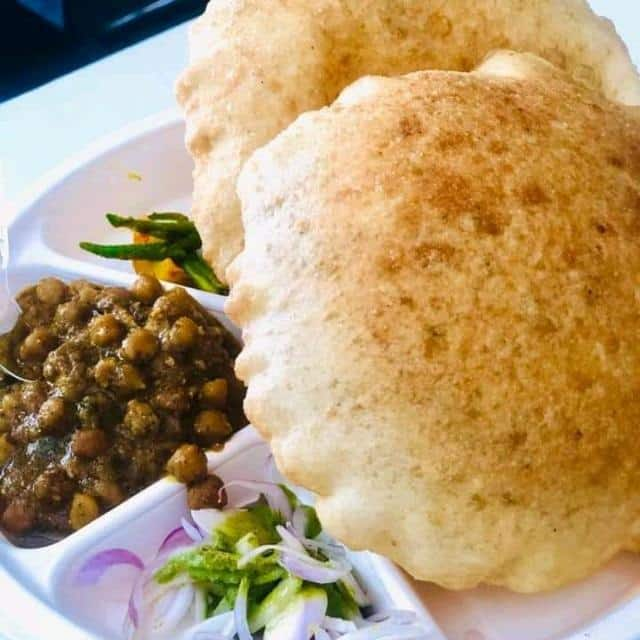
<point x="263" y="569"/>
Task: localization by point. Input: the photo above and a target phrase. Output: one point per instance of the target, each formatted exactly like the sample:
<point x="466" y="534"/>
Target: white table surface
<point x="43" y="127"/>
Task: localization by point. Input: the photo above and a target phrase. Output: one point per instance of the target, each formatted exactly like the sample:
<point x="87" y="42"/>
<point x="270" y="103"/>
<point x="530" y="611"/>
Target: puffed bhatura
<point x="440" y="299"/>
<point x="255" y="66"/>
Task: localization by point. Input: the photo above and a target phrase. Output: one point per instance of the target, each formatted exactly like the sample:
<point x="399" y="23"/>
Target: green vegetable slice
<point x="274" y="604"/>
<point x="202" y="274"/>
<point x="150" y="251"/>
<point x="153" y="226"/>
<point x="340" y="602"/>
<point x="288" y="622"/>
<point x="169" y="215"/>
<point x="312" y="526"/>
<point x="259" y="520"/>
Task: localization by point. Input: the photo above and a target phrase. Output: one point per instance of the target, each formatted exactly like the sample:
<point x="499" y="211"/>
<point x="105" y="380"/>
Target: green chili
<point x="150" y="251"/>
<point x="169" y="215"/>
<point x="177" y="238"/>
<point x="202" y="275"/>
<point x="160" y="227"/>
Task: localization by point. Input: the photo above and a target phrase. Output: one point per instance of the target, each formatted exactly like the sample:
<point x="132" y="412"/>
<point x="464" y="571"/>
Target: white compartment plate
<point x="140" y="169"/>
<point x="37" y="598"/>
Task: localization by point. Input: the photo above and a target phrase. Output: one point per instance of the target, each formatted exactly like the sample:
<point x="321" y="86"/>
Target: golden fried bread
<point x="440" y="301"/>
<point x="255" y="66"/>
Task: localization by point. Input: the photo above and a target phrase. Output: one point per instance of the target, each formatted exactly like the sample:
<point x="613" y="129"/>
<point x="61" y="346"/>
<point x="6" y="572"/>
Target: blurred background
<point x="75" y="71"/>
<point x="43" y="39"/>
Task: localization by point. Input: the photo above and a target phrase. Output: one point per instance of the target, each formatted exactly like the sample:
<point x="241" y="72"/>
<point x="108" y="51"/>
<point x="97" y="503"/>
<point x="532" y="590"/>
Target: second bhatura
<point x="440" y="302"/>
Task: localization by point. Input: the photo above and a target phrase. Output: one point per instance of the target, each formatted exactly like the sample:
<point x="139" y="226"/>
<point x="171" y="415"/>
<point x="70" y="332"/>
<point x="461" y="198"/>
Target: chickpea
<point x="207" y="494"/>
<point x="147" y="289"/>
<point x="50" y="369"/>
<point x="51" y="291"/>
<point x="140" y="344"/>
<point x="52" y="485"/>
<point x="89" y="443"/>
<point x="140" y="419"/>
<point x="172" y="399"/>
<point x="71" y="313"/>
<point x="171" y="427"/>
<point x="130" y="379"/>
<point x="188" y="463"/>
<point x="18" y="517"/>
<point x="9" y="403"/>
<point x="105" y="330"/>
<point x="51" y="414"/>
<point x="113" y="297"/>
<point x="214" y="393"/>
<point x="183" y="335"/>
<point x="9" y="409"/>
<point x="41" y="487"/>
<point x="121" y="377"/>
<point x="33" y="396"/>
<point x="6" y="449"/>
<point x="173" y="304"/>
<point x="212" y="426"/>
<point x="84" y="509"/>
<point x="109" y="492"/>
<point x="37" y="344"/>
<point x="105" y="371"/>
<point x="87" y="293"/>
<point x="72" y="387"/>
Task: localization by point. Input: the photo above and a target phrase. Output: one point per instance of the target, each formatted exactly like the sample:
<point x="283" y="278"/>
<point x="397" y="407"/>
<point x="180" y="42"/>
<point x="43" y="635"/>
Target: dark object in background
<point x="50" y="10"/>
<point x="43" y="39"/>
<point x="100" y="16"/>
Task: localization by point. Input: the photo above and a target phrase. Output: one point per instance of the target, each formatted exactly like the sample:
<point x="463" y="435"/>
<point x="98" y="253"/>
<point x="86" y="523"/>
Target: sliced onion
<point x="300" y="564"/>
<point x="171" y="610"/>
<point x="289" y="539"/>
<point x="155" y="608"/>
<point x="220" y="627"/>
<point x="332" y="550"/>
<point x="207" y="520"/>
<point x="175" y="539"/>
<point x="359" y="595"/>
<point x="258" y="551"/>
<point x="153" y="591"/>
<point x="250" y="460"/>
<point x="274" y="494"/>
<point x="240" y="612"/>
<point x="313" y="570"/>
<point x="200" y="606"/>
<point x="270" y="470"/>
<point x="299" y="521"/>
<point x="92" y="571"/>
<point x="192" y="530"/>
<point x="144" y="589"/>
<point x="339" y="625"/>
<point x="320" y="634"/>
<point x="207" y="635"/>
<point x="134" y="604"/>
<point x="299" y="621"/>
